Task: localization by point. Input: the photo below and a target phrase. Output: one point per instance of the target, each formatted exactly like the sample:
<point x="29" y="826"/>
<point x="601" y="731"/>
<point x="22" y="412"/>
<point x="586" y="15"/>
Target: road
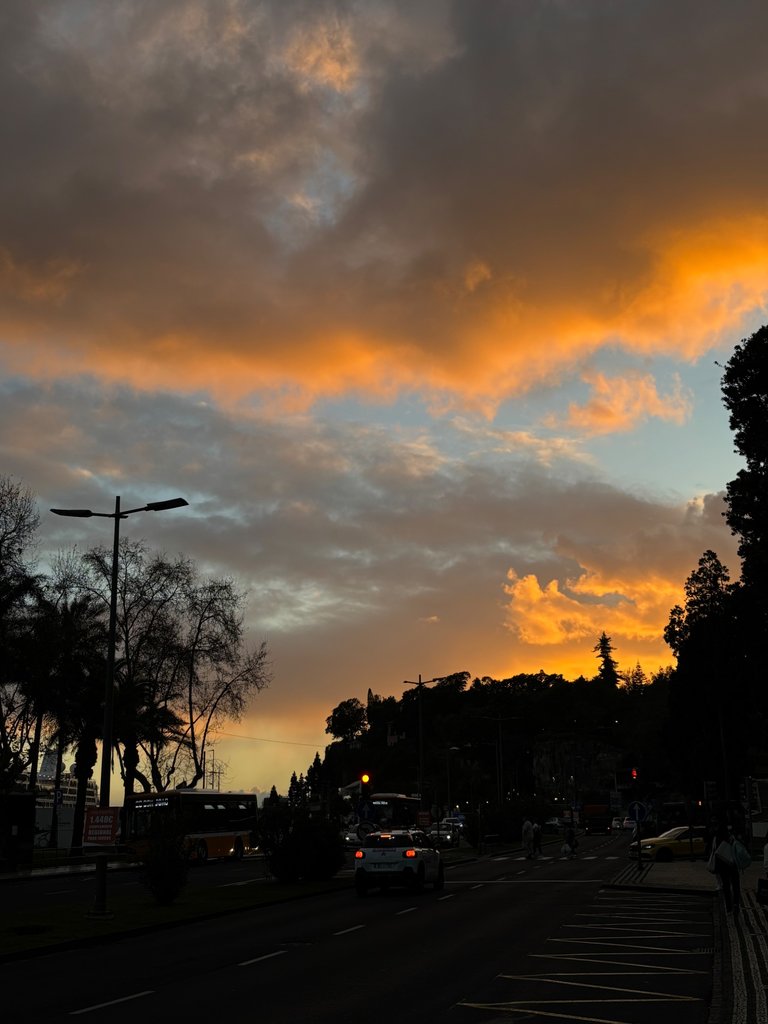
<point x="508" y="939"/>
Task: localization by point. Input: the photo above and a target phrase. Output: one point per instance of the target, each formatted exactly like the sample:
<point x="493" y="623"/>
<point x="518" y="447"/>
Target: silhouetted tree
<point x="608" y="672"/>
<point x="707" y="711"/>
<point x="20" y="715"/>
<point x="183" y="664"/>
<point x="347" y="721"/>
<point x="635" y="679"/>
<point x="66" y="660"/>
<point x="745" y="395"/>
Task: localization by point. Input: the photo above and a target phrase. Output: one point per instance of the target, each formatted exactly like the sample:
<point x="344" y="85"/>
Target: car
<point x="553" y="825"/>
<point x="350" y="838"/>
<point x="629" y="823"/>
<point x="597" y="826"/>
<point x="404" y="857"/>
<point x="453" y="820"/>
<point x="616" y="825"/>
<point x="676" y="842"/>
<point x="445" y="834"/>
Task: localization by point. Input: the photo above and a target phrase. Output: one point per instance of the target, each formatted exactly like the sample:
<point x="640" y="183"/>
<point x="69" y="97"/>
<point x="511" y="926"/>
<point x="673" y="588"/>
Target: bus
<point x="366" y="814"/>
<point x="395" y="810"/>
<point x="212" y="824"/>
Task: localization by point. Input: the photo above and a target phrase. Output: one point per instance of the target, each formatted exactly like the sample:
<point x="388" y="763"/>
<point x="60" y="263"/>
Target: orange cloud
<point x="620" y="403"/>
<point x="494" y="341"/>
<point x="557" y="627"/>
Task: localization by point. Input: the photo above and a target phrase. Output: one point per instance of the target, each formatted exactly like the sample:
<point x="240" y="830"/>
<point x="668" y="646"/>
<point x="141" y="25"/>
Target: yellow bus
<point x="213" y="824"/>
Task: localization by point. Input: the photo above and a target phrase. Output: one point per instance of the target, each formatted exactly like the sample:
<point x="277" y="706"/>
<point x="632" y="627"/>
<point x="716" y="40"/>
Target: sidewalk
<point x="741" y="941"/>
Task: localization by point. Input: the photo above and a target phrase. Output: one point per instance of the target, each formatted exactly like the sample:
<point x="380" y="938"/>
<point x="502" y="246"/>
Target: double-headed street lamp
<point x="100" y="902"/>
<point x="420" y="684"/>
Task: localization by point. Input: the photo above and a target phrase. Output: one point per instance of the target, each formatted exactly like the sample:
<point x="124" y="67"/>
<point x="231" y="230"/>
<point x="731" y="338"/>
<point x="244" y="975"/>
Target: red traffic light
<point x="634" y="773"/>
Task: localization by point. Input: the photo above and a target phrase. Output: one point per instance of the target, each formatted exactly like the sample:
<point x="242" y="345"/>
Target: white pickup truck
<point x="397" y="857"/>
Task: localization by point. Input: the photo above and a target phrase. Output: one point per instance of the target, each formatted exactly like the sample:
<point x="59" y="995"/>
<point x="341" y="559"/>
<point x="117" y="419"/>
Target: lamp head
<point x="160" y="506"/>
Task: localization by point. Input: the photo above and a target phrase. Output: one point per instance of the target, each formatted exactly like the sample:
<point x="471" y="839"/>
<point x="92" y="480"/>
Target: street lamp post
<point x="100" y="901"/>
<point x="448" y="753"/>
<point x="420" y="685"/>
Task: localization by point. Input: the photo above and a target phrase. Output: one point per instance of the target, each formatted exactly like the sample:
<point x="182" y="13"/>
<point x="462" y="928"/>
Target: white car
<point x="453" y="820"/>
<point x="445" y="834"/>
<point x="398" y="857"/>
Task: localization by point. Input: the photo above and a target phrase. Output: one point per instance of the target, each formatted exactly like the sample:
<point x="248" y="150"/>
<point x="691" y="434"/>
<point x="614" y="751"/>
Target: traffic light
<point x="633" y="773"/>
<point x="365" y="785"/>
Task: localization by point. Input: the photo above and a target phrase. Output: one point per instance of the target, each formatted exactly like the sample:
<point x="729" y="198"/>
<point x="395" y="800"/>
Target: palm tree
<point x="67" y="666"/>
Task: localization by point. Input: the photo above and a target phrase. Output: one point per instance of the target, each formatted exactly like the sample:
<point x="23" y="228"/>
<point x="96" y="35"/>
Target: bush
<point x="310" y="850"/>
<point x="165" y="866"/>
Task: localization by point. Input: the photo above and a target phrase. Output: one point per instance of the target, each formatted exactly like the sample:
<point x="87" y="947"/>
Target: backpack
<point x="741" y="855"/>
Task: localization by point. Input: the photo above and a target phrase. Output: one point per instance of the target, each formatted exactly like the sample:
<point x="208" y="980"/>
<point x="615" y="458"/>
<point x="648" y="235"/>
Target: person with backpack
<point x="727" y="868"/>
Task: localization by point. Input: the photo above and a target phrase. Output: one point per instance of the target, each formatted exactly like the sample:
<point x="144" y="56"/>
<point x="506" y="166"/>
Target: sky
<point x="423" y="308"/>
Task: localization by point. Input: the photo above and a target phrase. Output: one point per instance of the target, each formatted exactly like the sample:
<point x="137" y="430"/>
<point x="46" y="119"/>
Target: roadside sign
<point x="424" y="819"/>
<point x="58" y="795"/>
<point x="102" y="826"/>
<point x="637" y="811"/>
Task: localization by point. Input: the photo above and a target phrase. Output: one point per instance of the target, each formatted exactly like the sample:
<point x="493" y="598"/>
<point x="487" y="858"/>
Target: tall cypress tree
<point x="745" y="395"/>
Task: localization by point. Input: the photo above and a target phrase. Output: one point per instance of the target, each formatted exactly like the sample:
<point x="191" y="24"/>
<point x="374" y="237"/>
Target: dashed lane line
<point x="111" y="1002"/>
<point x="266" y="956"/>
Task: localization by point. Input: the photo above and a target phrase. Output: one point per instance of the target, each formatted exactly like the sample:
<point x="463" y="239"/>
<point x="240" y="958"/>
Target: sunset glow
<point x="420" y="306"/>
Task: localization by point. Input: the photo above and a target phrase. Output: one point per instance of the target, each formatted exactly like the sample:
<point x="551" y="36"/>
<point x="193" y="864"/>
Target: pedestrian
<point x="762" y="883"/>
<point x="727" y="870"/>
<point x="536" y="839"/>
<point x="570" y="842"/>
<point x="528" y="838"/>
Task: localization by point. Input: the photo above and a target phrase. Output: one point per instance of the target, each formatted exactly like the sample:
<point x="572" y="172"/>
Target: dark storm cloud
<point x="334" y="195"/>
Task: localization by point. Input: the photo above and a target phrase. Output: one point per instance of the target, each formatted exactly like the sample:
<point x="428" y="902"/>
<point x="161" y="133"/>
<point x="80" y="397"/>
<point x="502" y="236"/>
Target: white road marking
<point x="112" y="1002"/>
<point x="408" y="910"/>
<point x="449" y="896"/>
<point x="258" y="959"/>
<point x="354" y="928"/>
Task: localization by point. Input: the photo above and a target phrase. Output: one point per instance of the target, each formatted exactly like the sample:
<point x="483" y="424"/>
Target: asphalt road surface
<point x="507" y="939"/>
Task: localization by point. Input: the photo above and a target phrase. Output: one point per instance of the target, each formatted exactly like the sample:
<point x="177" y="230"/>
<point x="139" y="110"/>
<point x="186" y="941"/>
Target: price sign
<point x="102" y="825"/>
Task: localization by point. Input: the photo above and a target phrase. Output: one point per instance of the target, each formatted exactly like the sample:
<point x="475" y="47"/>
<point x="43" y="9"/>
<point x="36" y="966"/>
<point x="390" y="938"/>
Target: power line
<point x="263" y="739"/>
